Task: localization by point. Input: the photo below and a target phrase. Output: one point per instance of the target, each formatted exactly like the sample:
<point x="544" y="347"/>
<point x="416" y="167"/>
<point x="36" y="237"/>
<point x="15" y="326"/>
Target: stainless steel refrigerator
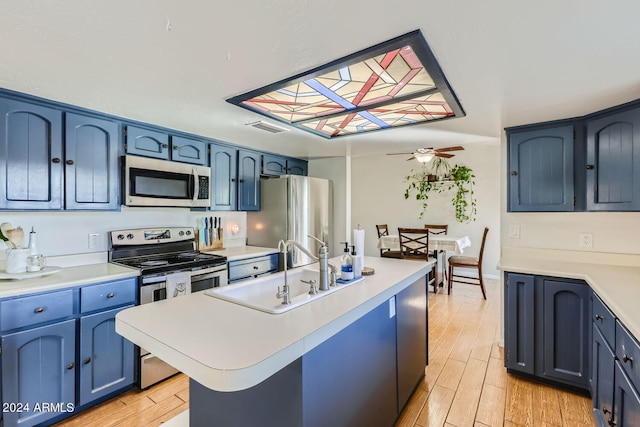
<point x="292" y="207"/>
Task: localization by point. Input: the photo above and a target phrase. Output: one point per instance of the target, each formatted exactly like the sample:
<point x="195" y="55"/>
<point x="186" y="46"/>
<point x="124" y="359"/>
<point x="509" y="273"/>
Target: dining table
<point x="437" y="243"/>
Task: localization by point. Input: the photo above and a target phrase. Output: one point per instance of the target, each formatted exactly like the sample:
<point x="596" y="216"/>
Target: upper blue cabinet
<point x="273" y="165"/>
<point x="591" y="163"/>
<point x="153" y="143"/>
<point x="236" y="179"/>
<point x="91" y="164"/>
<point x="541" y="170"/>
<point x="31" y="156"/>
<point x="613" y="162"/>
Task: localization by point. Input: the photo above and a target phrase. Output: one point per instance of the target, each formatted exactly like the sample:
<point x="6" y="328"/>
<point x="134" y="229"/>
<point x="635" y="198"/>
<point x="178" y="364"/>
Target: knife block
<point x="216" y="244"/>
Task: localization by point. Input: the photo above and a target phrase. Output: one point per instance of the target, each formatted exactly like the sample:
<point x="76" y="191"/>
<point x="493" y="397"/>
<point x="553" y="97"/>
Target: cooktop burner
<point x="154" y="263"/>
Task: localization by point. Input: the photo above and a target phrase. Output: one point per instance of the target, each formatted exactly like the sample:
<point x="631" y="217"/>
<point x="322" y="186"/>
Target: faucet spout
<point x="326" y="279"/>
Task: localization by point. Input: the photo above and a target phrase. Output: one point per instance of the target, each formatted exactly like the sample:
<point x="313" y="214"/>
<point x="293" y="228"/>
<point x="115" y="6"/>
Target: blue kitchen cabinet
<point x="39" y="367"/>
<point x="565" y="327"/>
<point x="412" y="337"/>
<point x="296" y="167"/>
<point x="189" y="150"/>
<point x="613" y="161"/>
<point x="224" y="171"/>
<point x="31" y="155"/>
<point x="248" y="180"/>
<point x="547" y="329"/>
<point x="519" y="323"/>
<point x="106" y="358"/>
<point x="602" y="377"/>
<point x="147" y="142"/>
<point x="541" y="172"/>
<point x="273" y="165"/>
<point x="91" y="163"/>
<point x="248" y="268"/>
<point x="626" y="400"/>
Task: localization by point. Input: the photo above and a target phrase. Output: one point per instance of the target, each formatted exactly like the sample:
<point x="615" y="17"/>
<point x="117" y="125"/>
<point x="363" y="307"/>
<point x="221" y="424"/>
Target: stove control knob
<point x="181" y="233"/>
<point x="188" y="232"/>
<point x="120" y="236"/>
<point x="129" y="236"/>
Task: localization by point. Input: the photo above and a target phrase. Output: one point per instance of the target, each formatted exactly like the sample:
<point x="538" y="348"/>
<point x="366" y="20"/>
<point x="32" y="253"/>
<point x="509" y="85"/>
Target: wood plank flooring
<point x="465" y="383"/>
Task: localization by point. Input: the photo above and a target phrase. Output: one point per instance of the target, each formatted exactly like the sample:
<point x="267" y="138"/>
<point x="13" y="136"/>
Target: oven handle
<point x="196" y="185"/>
<point x="195" y="274"/>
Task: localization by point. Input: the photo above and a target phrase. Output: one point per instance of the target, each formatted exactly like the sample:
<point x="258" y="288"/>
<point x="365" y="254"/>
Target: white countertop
<point x="65" y="278"/>
<point x="617" y="285"/>
<point x="229" y="347"/>
<point x="242" y="252"/>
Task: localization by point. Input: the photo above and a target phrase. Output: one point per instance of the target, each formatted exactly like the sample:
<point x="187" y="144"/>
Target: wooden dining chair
<point x="436" y="229"/>
<point x="383" y="230"/>
<point x="414" y="244"/>
<point x="469" y="263"/>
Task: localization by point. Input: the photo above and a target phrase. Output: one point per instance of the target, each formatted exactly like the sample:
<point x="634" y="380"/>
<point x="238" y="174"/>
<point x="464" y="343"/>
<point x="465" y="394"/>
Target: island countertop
<point x="229" y="347"/>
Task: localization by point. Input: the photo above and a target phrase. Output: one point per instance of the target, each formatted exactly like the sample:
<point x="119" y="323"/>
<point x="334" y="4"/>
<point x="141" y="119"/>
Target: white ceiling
<point x="173" y="63"/>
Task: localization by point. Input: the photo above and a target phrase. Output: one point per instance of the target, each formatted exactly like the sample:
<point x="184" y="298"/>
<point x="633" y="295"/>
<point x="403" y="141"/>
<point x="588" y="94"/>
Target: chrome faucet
<point x="326" y="278"/>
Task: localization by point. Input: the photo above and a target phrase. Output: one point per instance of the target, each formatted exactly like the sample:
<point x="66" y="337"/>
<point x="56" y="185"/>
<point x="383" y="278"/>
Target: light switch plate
<point x="94" y="240"/>
<point x="514" y="231"/>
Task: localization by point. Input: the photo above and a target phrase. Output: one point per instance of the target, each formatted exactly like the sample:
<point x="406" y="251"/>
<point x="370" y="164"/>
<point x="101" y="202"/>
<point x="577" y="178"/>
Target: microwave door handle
<point x="196" y="183"/>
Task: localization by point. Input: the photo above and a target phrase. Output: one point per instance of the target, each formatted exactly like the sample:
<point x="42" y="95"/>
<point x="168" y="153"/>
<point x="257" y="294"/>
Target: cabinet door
<point x="224" y="172"/>
<point x="519" y="323"/>
<point x="602" y="372"/>
<point x="91" y="165"/>
<point x="248" y="181"/>
<point x="30" y="156"/>
<point x="411" y="307"/>
<point x="145" y="142"/>
<point x="273" y="165"/>
<point x="565" y="324"/>
<point x="541" y="170"/>
<point x="626" y="401"/>
<point x="188" y="150"/>
<point x="296" y="167"/>
<point x="106" y="358"/>
<point x="38" y="366"/>
<point x="613" y="162"/>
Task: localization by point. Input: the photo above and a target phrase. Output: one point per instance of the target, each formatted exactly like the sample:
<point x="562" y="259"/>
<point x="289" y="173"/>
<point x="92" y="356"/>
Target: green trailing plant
<point x="460" y="177"/>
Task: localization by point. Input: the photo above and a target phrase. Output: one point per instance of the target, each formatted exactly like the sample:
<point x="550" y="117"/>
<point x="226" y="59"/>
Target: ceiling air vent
<point x="267" y="127"/>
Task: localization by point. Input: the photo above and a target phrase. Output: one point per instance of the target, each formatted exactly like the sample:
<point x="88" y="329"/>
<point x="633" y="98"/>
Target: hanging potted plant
<point x="464" y="200"/>
<point x="460" y="177"/>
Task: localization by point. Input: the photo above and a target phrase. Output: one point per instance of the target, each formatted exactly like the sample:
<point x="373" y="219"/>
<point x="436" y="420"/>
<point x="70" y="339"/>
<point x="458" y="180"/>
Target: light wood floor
<point x="465" y="384"/>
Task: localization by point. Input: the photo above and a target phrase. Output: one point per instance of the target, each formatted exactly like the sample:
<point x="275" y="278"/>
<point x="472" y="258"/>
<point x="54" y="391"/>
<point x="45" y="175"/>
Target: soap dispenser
<point x="357" y="263"/>
<point x="346" y="266"/>
<point x="33" y="247"/>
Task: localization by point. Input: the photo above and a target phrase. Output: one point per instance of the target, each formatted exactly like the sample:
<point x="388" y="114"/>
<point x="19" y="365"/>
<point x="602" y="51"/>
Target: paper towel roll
<point x="358" y="242"/>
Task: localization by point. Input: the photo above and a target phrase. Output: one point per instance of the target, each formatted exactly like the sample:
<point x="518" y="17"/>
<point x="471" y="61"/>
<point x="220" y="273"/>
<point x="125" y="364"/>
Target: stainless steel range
<point x="169" y="266"/>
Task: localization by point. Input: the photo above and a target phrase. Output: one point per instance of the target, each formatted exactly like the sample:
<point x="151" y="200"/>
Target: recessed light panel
<point x="392" y="84"/>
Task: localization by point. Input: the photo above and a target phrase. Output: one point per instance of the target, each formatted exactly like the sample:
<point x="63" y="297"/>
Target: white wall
<point x="64" y="233"/>
<point x="378" y="188"/>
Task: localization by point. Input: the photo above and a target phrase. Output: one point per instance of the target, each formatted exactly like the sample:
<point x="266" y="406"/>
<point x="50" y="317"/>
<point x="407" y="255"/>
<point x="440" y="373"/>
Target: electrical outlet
<point x="514" y="231"/>
<point x="94" y="240"/>
<point x="586" y="240"/>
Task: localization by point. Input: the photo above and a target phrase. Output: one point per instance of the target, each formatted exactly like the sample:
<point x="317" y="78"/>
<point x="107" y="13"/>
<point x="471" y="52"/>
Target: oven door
<point x="153" y="182"/>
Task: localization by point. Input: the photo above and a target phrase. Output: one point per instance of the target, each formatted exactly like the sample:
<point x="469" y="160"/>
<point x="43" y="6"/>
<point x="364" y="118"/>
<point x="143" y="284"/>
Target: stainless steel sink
<point x="260" y="293"/>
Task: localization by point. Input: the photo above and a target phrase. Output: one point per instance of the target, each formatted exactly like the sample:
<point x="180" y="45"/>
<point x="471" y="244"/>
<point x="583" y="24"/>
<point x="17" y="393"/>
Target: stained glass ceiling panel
<point x="391" y="84"/>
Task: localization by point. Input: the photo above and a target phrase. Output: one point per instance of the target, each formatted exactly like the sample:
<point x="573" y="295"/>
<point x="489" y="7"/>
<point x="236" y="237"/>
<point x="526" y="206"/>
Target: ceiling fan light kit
<point x="424" y="157"/>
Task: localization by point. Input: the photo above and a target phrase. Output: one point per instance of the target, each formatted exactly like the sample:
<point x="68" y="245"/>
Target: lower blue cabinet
<point x="602" y="374"/>
<point x="626" y="411"/>
<point x="547" y="329"/>
<point x="106" y="358"/>
<point x="38" y="370"/>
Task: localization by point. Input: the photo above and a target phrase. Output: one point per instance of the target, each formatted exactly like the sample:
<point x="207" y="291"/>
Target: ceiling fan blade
<point x="455" y="148"/>
<point x="396" y="154"/>
<point x="411" y="158"/>
<point x="445" y="155"/>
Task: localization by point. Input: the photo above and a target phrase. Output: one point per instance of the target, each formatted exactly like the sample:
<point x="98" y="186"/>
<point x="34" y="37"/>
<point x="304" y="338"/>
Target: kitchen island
<point x="367" y="340"/>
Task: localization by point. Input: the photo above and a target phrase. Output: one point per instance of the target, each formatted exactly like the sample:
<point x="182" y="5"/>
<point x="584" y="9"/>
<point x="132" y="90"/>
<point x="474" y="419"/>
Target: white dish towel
<point x="178" y="284"/>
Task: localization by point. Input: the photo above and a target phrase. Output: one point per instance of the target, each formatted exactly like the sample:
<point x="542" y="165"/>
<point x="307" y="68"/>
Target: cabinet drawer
<point x="604" y="319"/>
<point x="628" y="352"/>
<point x="107" y="295"/>
<point x="27" y="311"/>
<point x="252" y="267"/>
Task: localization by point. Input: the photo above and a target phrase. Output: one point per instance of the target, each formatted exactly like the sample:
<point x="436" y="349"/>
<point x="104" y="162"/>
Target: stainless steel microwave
<point x="153" y="182"/>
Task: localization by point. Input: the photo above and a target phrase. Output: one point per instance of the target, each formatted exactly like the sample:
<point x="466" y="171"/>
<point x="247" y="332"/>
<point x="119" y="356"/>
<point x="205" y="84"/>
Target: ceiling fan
<point x="424" y="155"/>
